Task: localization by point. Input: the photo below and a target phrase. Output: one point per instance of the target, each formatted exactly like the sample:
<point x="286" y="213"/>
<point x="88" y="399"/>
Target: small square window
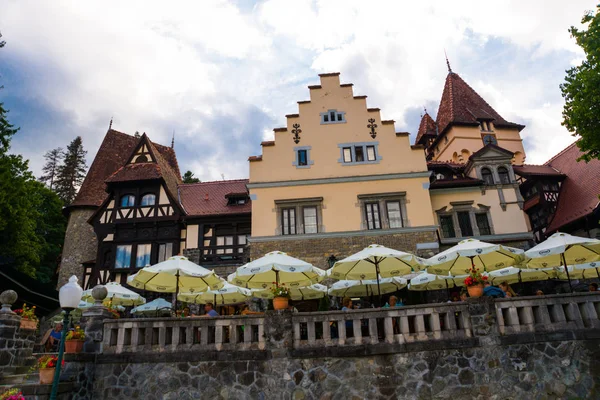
<point x="325" y="118"/>
<point x="358" y="152"/>
<point x="371" y="153"/>
<point x="302" y="157"/>
<point x="347" y="154"/>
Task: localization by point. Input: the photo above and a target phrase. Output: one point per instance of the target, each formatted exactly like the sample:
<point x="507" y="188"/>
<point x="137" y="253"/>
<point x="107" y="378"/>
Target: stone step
<point x="14" y="379"/>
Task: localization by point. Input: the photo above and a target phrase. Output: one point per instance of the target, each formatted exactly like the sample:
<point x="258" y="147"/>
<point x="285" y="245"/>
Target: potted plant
<point x="46" y="366"/>
<point x="114" y="312"/>
<point x="12" y="394"/>
<point x="28" y="318"/>
<point x="74" y="340"/>
<point x="282" y="296"/>
<point x="474" y="282"/>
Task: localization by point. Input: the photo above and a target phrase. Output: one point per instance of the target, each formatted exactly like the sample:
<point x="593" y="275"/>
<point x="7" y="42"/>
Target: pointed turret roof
<point x="462" y="105"/>
<point x="426" y="128"/>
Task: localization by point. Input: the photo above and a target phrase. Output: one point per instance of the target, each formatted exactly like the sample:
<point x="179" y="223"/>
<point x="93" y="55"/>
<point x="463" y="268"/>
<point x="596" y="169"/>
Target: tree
<point x="581" y="90"/>
<point x="71" y="172"/>
<point x="53" y="158"/>
<point x="188" y="177"/>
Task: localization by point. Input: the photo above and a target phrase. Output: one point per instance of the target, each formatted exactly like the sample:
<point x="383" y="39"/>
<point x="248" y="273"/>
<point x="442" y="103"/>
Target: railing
<point x="548" y="313"/>
<point x="177" y="334"/>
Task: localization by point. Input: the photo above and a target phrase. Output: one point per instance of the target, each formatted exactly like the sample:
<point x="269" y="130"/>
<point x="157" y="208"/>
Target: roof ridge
<point x="213" y="182"/>
<point x="560" y="153"/>
<point x="474" y="91"/>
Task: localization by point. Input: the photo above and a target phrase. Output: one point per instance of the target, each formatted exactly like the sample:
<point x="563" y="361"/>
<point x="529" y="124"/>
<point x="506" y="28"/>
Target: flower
<point x="475" y="278"/>
<point x="76" y="334"/>
<point x="280" y="291"/>
<point x="27" y="312"/>
<point x="47" y="361"/>
<point x="12" y="394"/>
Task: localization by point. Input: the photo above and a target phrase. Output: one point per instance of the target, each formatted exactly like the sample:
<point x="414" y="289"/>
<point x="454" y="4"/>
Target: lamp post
<point x="69" y="296"/>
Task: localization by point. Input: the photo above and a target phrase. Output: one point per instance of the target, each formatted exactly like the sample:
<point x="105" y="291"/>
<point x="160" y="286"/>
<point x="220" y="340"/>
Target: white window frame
<point x="327" y="115"/>
<point x="365" y="147"/>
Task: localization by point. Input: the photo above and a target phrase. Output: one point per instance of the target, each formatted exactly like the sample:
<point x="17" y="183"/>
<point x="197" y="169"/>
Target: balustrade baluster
<point x="405" y="335"/>
<point x="326" y="333"/>
<point x="526" y="318"/>
<point x="388" y="327"/>
<point x="218" y="336"/>
<point x="420" y="327"/>
<point x="261" y="335"/>
<point x="310" y="327"/>
<point x="373" y="330"/>
<point x="341" y="324"/>
<point x="357" y="331"/>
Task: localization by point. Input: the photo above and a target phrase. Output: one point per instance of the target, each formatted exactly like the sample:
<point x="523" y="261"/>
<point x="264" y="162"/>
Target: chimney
<point x="206" y="196"/>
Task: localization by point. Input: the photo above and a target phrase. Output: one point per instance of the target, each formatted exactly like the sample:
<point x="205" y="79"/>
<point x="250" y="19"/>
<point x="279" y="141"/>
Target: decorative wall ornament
<point x="372" y="125"/>
<point x="296" y="131"/>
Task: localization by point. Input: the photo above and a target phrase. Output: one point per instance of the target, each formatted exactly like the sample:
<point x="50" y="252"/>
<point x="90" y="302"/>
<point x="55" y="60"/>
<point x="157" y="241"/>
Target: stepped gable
<point x="460" y="104"/>
<point x="111" y="156"/>
<point x="427" y="127"/>
<point x="212" y="198"/>
<point x="579" y="191"/>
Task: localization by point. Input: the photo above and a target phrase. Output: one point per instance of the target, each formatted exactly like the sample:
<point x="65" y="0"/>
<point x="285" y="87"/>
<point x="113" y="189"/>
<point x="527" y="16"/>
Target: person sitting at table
<point x="210" y="311"/>
<point x="55" y="336"/>
<point x="593" y="287"/>
<point x="246" y="311"/>
<point x="393" y="302"/>
<point x="508" y="291"/>
<point x="464" y="295"/>
<point x="539" y="292"/>
<point x="492" y="291"/>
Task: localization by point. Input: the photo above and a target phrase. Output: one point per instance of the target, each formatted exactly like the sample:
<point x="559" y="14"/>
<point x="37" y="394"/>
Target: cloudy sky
<point x="222" y="74"/>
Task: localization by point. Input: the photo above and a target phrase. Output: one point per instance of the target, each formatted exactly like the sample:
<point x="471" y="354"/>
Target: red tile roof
<point x="426" y="127"/>
<point x="136" y="172"/>
<point x="530" y="170"/>
<point x="210" y="198"/>
<point x="461" y="104"/>
<point x="579" y="191"/>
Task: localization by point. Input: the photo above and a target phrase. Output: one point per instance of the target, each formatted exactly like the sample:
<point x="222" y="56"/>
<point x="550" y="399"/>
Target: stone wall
<point x="317" y="250"/>
<point x="80" y="245"/>
<point x="16" y="344"/>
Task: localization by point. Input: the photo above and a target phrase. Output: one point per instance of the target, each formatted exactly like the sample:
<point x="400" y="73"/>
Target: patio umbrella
<point x="590" y="270"/>
<point x="366" y="287"/>
<point x="427" y="281"/>
<point x="154" y="307"/>
<point x="375" y="262"/>
<point x="174" y="275"/>
<point x="118" y="295"/>
<point x="84" y="304"/>
<point x="472" y="253"/>
<point x="562" y="249"/>
<point x="276" y="268"/>
<point x="516" y="275"/>
<point x="315" y="291"/>
<point x="228" y="294"/>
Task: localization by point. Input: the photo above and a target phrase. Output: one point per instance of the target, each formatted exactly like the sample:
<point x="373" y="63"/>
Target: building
<point x="133" y="210"/>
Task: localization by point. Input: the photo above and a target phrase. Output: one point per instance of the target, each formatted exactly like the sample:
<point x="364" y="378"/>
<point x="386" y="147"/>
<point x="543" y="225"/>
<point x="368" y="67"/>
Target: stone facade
<point x="80" y="245"/>
<point x="317" y="250"/>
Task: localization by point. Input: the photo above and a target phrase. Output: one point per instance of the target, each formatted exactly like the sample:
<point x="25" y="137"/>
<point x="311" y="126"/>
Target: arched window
<point x="148" y="199"/>
<point x="503" y="174"/>
<point x="128" y="200"/>
<point x="486" y="175"/>
<point x="141" y="159"/>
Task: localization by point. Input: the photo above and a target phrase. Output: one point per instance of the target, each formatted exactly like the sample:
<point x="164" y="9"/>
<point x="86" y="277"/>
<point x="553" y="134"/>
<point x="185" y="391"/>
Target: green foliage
<point x="71" y="172"/>
<point x="581" y="89"/>
<point x="53" y="158"/>
<point x="188" y="177"/>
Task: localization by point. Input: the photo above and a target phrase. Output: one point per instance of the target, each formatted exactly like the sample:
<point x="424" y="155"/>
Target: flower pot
<point x="28" y="324"/>
<point x="46" y="375"/>
<point x="475" y="291"/>
<point x="73" y="346"/>
<point x="280" y="303"/>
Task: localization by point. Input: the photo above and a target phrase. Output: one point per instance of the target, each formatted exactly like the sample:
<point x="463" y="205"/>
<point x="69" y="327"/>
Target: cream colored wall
<point x="276" y="165"/>
<point x="191" y="239"/>
<point x="341" y="210"/>
<point x="513" y="220"/>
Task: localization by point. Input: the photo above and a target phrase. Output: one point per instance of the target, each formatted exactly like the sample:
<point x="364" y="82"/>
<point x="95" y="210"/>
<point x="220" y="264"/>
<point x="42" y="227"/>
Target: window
<point x="242" y="240"/>
<point x="237" y="200"/>
<point x="302" y="158"/>
<point x="359" y="153"/>
<point x="447" y="225"/>
<point x="165" y="251"/>
<point x="288" y="221"/>
<point x="394" y="214"/>
<point x="483" y="224"/>
<point x="347" y="154"/>
<point x="371" y="153"/>
<point x="487" y="177"/>
<point x="310" y="219"/>
<point x="489" y="139"/>
<point x="142" y="257"/>
<point x="333" y="117"/>
<point x="373" y="221"/>
<point x="148" y="200"/>
<point x="224" y="241"/>
<point x="128" y="200"/>
<point x="123" y="258"/>
<point x="141" y="159"/>
<point x="359" y="156"/>
<point x="464" y="223"/>
<point x="503" y="174"/>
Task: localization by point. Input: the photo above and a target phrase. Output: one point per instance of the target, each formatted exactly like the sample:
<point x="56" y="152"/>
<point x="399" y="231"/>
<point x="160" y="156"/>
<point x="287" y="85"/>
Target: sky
<point x="220" y="75"/>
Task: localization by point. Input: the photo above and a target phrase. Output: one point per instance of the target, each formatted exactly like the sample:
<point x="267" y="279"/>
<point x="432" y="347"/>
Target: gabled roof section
<point x="460" y="104"/>
<point x="212" y="198"/>
<point x="580" y="189"/>
<point x="491" y="151"/>
<point x="427" y="127"/>
<point x="529" y="170"/>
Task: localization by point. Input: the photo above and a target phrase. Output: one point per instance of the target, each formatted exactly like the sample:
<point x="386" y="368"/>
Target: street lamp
<point x="69" y="296"/>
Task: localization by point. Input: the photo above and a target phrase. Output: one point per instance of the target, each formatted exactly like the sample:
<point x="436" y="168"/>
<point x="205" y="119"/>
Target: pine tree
<point x="53" y="158"/>
<point x="71" y="173"/>
<point x="188" y="177"/>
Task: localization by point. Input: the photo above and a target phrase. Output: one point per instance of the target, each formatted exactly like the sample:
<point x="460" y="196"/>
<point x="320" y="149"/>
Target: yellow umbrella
<point x="361" y="288"/>
<point x="426" y="281"/>
<point x="118" y="295"/>
<point x="315" y="291"/>
<point x="228" y="294"/>
<point x="516" y="275"/>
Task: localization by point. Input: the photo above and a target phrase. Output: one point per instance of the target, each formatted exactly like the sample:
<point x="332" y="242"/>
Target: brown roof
<point x="112" y="155"/>
<point x="426" y="127"/>
<point x="136" y="172"/>
<point x="211" y="198"/>
<point x="462" y="105"/>
<point x="580" y="189"/>
<point x="534" y="170"/>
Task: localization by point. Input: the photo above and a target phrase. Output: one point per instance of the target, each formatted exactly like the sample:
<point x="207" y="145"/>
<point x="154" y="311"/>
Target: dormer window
<point x="503" y="175"/>
<point x="128" y="200"/>
<point x="333" y="117"/>
<point x="237" y="199"/>
<point x="141" y="159"/>
<point x="148" y="199"/>
<point x="485" y="126"/>
<point x="486" y="175"/>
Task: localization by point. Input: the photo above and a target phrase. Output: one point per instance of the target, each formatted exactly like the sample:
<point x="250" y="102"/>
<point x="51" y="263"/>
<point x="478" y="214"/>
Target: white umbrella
<point x="516" y="275"/>
<point x="426" y="281"/>
<point x="315" y="291"/>
<point x="590" y="270"/>
<point x="117" y="295"/>
<point x="84" y="304"/>
<point x="366" y="287"/>
<point x="228" y="294"/>
<point x="154" y="307"/>
<point x="276" y="268"/>
<point x="469" y="253"/>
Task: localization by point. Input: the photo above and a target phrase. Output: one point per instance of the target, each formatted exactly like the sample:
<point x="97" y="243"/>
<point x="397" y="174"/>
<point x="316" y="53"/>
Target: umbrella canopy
<point x="173" y="275"/>
<point x="590" y="270"/>
<point x="118" y="295"/>
<point x="228" y="294"/>
<point x="153" y="307"/>
<point x="426" y="281"/>
<point x="361" y="288"/>
<point x="516" y="275"/>
<point x="563" y="249"/>
<point x="276" y="268"/>
<point x="84" y="304"/>
<point x="315" y="291"/>
<point x="458" y="260"/>
<point x="376" y="261"/>
<point x="579" y="271"/>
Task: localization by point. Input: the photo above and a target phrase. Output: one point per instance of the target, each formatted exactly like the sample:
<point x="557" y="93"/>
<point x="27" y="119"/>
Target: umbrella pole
<point x="567" y="270"/>
<point x="378" y="287"/>
<point x="176" y="288"/>
<point x="447" y="290"/>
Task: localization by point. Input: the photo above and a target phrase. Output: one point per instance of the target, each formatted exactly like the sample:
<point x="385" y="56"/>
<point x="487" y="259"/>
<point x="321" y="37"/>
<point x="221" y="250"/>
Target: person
<point x="508" y="291"/>
<point x="492" y="291"/>
<point x="55" y="336"/>
<point x="539" y="292"/>
<point x="210" y="311"/>
<point x="393" y="302"/>
<point x="246" y="311"/>
<point x="463" y="295"/>
<point x="593" y="287"/>
<point x="292" y="308"/>
<point x="186" y="312"/>
<point x="346" y="304"/>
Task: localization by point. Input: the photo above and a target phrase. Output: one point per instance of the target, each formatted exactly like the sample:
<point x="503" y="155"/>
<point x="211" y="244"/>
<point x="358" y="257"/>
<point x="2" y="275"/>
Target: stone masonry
<point x="80" y="245"/>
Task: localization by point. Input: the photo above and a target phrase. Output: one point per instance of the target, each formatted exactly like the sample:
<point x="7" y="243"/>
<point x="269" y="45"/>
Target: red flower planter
<point x="475" y="291"/>
<point x="280" y="303"/>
